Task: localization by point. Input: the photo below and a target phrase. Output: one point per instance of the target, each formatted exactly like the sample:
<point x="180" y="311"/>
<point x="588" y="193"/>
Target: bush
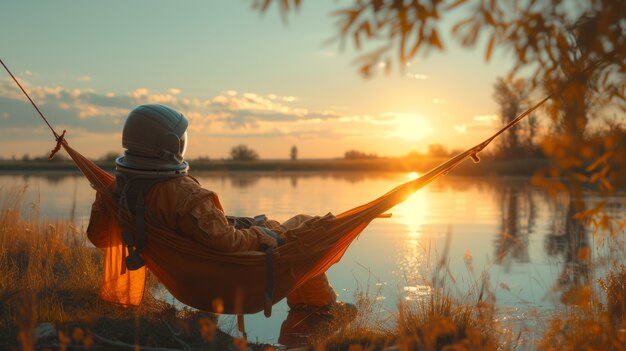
<point x="243" y="153"/>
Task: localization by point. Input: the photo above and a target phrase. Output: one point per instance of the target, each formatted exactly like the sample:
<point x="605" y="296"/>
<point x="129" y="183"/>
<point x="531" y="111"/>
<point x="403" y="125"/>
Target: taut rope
<point x="59" y="138"/>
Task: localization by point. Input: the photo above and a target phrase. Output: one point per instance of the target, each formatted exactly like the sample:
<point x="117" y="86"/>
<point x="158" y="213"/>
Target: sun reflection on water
<point x="413" y="215"/>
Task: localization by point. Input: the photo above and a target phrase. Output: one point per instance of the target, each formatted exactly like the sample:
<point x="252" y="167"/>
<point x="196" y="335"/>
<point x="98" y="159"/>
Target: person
<point x="153" y="183"/>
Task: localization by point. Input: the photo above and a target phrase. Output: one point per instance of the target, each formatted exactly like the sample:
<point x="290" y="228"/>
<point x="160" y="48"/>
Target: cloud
<point x="479" y="123"/>
<point x="229" y="114"/>
<point x="84" y="79"/>
<point x="417" y="76"/>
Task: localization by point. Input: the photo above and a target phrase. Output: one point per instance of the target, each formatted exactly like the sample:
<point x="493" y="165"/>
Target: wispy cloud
<point x="417" y="76"/>
<point x="479" y="123"/>
<point x="84" y="79"/>
<point x="229" y="114"/>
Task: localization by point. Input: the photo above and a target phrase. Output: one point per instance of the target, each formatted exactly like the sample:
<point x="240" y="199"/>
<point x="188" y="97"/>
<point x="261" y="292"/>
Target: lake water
<point x="502" y="228"/>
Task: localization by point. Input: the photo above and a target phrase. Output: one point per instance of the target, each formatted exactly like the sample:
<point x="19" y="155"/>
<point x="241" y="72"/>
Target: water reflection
<point x="518" y="217"/>
<point x="506" y="227"/>
<point x="569" y="241"/>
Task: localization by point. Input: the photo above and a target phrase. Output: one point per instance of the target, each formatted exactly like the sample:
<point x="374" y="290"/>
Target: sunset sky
<point x="240" y="77"/>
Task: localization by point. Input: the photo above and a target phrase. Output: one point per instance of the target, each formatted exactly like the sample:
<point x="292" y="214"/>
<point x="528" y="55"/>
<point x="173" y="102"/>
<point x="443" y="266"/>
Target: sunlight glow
<point x="410" y="126"/>
<point x="412" y="213"/>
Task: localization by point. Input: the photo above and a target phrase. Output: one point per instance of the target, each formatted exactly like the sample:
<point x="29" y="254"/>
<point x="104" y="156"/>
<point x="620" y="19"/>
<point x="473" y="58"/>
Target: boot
<point x="306" y="322"/>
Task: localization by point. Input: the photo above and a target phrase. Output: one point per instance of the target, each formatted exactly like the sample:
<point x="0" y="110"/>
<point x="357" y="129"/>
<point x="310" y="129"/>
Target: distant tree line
<point x="358" y="155"/>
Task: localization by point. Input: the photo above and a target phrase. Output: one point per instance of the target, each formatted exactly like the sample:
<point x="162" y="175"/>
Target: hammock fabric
<point x="235" y="283"/>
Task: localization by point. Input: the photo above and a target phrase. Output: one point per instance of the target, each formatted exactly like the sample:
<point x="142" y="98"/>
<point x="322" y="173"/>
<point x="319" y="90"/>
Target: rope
<point x="57" y="137"/>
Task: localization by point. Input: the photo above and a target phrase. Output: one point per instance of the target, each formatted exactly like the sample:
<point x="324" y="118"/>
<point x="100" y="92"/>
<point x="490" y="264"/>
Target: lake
<point x="501" y="228"/>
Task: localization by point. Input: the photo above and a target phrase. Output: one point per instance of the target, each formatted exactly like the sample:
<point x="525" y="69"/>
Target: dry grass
<point x="50" y="280"/>
<point x="586" y="323"/>
<point x="438" y="321"/>
<point x="426" y="322"/>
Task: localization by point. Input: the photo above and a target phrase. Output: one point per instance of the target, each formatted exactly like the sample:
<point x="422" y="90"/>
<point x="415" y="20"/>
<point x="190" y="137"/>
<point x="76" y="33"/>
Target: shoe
<point x="306" y="322"/>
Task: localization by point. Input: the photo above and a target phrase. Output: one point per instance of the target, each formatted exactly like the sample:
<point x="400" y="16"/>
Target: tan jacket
<point x="182" y="205"/>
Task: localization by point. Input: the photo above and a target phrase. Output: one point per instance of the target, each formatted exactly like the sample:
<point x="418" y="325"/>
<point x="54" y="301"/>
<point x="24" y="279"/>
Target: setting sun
<point x="412" y="127"/>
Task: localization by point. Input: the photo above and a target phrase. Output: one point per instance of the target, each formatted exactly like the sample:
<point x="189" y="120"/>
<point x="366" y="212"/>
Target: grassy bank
<point x="49" y="294"/>
<point x="487" y="166"/>
<point x="49" y="300"/>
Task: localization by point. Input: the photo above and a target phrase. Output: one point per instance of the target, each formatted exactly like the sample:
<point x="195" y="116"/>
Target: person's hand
<point x="269" y="238"/>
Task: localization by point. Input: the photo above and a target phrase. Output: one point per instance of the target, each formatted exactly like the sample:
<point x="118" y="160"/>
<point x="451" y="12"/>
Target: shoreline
<point x="519" y="167"/>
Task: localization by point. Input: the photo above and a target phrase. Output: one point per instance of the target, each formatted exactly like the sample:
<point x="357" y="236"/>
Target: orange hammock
<point x="236" y="283"/>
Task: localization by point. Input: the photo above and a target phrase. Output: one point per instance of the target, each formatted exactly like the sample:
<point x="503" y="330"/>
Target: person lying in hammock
<point x="152" y="182"/>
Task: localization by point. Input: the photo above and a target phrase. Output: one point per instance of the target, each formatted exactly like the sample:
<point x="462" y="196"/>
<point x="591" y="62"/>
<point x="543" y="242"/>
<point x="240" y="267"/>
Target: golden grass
<point x="586" y="324"/>
<point x="436" y="322"/>
<point x="51" y="276"/>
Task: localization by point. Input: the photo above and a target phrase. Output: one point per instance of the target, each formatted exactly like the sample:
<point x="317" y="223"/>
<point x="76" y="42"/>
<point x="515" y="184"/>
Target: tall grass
<point x="49" y="287"/>
<point x="49" y="272"/>
<point x="592" y="317"/>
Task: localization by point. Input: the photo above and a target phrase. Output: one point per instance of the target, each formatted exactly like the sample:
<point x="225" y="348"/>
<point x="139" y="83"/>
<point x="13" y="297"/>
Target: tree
<point x="293" y="153"/>
<point x="358" y="155"/>
<point x="512" y="97"/>
<point x="243" y="153"/>
<point x="573" y="51"/>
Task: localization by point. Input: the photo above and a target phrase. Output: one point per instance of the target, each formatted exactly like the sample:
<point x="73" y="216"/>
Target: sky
<point x="239" y="76"/>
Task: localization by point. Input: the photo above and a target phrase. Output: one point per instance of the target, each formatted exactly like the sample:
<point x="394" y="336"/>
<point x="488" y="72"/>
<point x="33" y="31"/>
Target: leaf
<point x="365" y="27"/>
<point x="349" y="17"/>
<point x="607" y="185"/>
<point x="365" y="70"/>
<point x="490" y="47"/>
<point x="455" y="4"/>
<point x="357" y="40"/>
<point x="434" y="39"/>
<point x="584" y="254"/>
<point x="580" y="177"/>
<point x="460" y="24"/>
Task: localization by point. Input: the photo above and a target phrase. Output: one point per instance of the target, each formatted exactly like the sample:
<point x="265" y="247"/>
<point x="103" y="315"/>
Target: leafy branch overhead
<point x="571" y="50"/>
<point x="540" y="33"/>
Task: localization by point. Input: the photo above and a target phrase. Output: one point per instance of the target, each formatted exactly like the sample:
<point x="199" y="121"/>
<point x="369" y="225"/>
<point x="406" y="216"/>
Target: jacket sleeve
<point x="208" y="225"/>
<point x="100" y="223"/>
